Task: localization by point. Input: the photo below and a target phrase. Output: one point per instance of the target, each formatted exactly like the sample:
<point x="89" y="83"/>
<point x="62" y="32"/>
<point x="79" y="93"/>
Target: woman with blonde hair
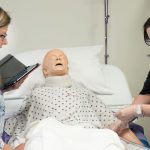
<point x="5" y="20"/>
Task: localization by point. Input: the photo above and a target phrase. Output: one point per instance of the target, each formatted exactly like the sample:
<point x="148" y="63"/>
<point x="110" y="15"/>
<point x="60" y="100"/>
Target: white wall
<point x="40" y="24"/>
<point x="54" y="23"/>
<point x="126" y="44"/>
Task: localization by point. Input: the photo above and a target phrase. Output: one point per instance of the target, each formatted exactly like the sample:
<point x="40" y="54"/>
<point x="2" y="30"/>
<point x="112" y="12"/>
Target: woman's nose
<point x="5" y="41"/>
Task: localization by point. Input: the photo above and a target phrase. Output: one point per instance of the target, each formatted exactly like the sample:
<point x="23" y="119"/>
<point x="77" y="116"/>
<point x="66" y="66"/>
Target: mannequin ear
<point x="45" y="72"/>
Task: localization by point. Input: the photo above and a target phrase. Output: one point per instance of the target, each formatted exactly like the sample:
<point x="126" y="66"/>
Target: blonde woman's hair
<point x="5" y="19"/>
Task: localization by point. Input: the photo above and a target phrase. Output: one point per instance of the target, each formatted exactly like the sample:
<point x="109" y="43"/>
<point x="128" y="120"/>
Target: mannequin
<point x="66" y="101"/>
<point x="56" y="64"/>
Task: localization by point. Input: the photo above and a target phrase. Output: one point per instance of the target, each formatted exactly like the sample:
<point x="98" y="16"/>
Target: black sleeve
<point x="146" y="87"/>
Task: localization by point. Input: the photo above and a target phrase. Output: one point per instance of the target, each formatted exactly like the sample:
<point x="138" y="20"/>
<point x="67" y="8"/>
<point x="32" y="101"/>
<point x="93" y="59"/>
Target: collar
<point x="58" y="81"/>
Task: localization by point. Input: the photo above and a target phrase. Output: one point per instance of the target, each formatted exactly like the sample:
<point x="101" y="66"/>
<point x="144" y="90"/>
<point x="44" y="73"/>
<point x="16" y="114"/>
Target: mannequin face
<point x="148" y="32"/>
<point x="55" y="63"/>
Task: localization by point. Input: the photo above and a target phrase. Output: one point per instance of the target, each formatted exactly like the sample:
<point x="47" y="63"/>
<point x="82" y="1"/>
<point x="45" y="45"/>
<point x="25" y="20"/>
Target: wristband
<point x="138" y="111"/>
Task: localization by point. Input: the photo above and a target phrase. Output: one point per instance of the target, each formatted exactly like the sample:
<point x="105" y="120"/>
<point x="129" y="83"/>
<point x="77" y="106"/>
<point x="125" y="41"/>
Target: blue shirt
<point x="2" y="113"/>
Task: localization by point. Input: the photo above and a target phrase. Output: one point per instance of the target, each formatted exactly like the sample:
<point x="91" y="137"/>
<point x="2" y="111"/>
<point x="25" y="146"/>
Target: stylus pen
<point x="14" y="98"/>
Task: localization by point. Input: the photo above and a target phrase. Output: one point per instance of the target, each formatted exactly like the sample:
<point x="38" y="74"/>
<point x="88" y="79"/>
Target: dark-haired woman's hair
<point x="5" y="19"/>
<point x="146" y="25"/>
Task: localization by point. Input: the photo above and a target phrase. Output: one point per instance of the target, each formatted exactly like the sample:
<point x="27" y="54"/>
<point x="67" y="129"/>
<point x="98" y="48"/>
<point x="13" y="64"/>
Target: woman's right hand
<point x="129" y="113"/>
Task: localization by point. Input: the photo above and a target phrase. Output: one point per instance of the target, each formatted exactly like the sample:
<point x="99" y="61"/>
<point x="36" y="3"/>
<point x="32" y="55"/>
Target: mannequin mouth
<point x="59" y="64"/>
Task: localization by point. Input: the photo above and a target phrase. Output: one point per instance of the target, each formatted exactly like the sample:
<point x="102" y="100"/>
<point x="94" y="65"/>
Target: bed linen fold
<point x="51" y="134"/>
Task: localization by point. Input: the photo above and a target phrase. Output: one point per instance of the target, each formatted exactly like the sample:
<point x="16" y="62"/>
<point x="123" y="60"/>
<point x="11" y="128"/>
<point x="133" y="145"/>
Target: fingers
<point x="121" y="115"/>
<point x="126" y="114"/>
<point x="119" y="126"/>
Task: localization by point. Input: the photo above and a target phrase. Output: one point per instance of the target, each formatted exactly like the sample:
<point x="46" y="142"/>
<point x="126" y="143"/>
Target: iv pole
<point x="106" y="22"/>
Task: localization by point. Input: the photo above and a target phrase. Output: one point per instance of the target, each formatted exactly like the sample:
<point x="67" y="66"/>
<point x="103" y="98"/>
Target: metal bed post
<point x="106" y="22"/>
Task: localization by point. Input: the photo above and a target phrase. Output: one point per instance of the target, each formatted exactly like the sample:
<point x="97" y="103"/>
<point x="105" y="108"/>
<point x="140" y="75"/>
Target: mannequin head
<point x="55" y="63"/>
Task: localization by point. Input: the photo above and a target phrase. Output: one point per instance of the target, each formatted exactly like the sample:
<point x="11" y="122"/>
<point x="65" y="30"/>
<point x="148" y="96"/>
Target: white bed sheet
<point x="51" y="134"/>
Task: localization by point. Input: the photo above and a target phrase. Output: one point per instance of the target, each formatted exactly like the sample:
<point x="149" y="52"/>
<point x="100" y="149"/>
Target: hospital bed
<point x="107" y="81"/>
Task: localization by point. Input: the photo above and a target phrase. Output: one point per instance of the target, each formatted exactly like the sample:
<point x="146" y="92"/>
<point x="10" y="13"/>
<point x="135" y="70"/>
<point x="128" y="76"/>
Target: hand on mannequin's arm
<point x="136" y="110"/>
<point x="129" y="113"/>
<point x="121" y="128"/>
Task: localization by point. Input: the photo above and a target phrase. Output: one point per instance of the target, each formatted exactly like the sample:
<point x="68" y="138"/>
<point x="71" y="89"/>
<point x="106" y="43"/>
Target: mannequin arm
<point x="7" y="147"/>
<point x="128" y="135"/>
<point x="19" y="147"/>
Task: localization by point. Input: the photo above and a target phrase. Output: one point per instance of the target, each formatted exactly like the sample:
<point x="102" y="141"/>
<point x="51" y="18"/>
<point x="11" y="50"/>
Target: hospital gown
<point x="64" y="100"/>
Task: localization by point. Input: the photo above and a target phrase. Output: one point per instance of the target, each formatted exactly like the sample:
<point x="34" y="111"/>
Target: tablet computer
<point x="12" y="70"/>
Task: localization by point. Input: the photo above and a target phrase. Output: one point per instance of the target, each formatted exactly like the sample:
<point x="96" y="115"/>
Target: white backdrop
<point x="54" y="23"/>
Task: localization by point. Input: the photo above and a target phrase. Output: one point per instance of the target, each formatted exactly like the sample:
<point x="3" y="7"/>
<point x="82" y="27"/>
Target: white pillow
<point x="84" y="65"/>
<point x="77" y="54"/>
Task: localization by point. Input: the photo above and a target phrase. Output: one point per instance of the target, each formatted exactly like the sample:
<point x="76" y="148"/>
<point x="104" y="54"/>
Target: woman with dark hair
<point x="147" y="32"/>
<point x="141" y="104"/>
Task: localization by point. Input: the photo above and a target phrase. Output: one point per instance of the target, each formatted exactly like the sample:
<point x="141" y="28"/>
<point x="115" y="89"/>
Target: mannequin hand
<point x="7" y="147"/>
<point x="119" y="126"/>
<point x="129" y="113"/>
<point x="20" y="147"/>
